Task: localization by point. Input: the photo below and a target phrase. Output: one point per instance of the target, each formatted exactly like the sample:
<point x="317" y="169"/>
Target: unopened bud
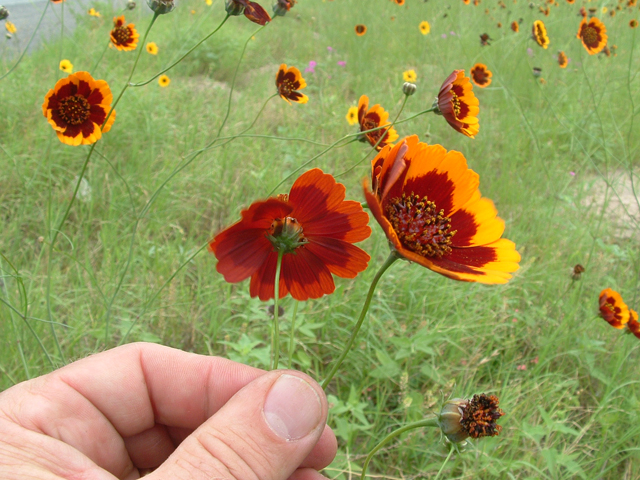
<point x="281" y="7"/>
<point x="131" y="5"/>
<point x="4" y="13"/>
<point x="234" y="8"/>
<point x="8" y="35"/>
<point x="161" y="6"/>
<point x="408" y="88"/>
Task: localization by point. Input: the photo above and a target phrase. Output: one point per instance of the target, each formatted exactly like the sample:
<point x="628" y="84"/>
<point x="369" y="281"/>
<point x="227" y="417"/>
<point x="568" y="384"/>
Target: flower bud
<point x="4" y="13"/>
<point x="234" y="8"/>
<point x="409" y="88"/>
<point x="8" y="35"/>
<point x="131" y="5"/>
<point x="161" y="6"/>
<point x="475" y="418"/>
<point x="281" y="7"/>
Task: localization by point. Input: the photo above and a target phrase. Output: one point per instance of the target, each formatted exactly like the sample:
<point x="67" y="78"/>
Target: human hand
<point x="142" y="406"/>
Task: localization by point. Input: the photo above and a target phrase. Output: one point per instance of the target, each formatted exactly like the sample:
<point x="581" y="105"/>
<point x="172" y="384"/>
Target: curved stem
<point x="276" y="328"/>
<point x="292" y="332"/>
<point x="15" y="65"/>
<point x="431" y="421"/>
<point x="180" y="59"/>
<point x="393" y="256"/>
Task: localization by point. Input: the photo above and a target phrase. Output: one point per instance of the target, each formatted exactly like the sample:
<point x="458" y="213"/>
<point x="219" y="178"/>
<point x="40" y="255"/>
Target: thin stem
<point x="431" y="421"/>
<point x="233" y="81"/>
<point x="393" y="256"/>
<point x="100" y="58"/>
<point x="33" y="35"/>
<point x="276" y="315"/>
<point x="292" y="332"/>
<point x="346" y="137"/>
<point x="180" y="59"/>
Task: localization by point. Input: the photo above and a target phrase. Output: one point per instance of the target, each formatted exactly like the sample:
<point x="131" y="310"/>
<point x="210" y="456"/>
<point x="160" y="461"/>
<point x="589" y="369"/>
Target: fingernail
<point x="292" y="408"/>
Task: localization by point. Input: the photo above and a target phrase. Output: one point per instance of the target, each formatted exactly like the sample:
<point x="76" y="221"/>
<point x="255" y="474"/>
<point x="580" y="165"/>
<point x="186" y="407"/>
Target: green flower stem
<point x="346" y="137"/>
<point x="104" y="50"/>
<point x="275" y="342"/>
<point x="393" y="256"/>
<point x="292" y="332"/>
<point x="181" y="58"/>
<point x="431" y="421"/>
<point x="33" y="35"/>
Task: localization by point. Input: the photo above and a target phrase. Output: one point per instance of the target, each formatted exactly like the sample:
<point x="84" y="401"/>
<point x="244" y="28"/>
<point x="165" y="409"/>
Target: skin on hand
<point x="138" y="407"/>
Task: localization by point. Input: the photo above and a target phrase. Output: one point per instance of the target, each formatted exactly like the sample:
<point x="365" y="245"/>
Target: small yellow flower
<point x="93" y="12"/>
<point x="208" y="2"/>
<point x="193" y="12"/>
<point x="409" y="76"/>
<point x="352" y="115"/>
<point x="152" y="48"/>
<point x="425" y="28"/>
<point x="11" y="28"/>
<point x="66" y="66"/>
<point x="604" y="9"/>
<point x="164" y="81"/>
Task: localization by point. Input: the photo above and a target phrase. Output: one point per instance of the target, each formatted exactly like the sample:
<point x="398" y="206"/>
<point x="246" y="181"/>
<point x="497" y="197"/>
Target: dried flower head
<point x="460" y="419"/>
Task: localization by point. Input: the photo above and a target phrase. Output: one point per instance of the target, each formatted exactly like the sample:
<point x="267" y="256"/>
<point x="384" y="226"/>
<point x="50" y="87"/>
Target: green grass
<point x="572" y="413"/>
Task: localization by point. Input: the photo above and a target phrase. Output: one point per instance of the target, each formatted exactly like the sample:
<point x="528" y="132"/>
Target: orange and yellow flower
<point x="77" y="107"/>
<point x="515" y="26"/>
<point x="633" y="23"/>
<point x="425" y="28"/>
<point x="152" y="48"/>
<point x="164" y="81"/>
<point x="539" y="34"/>
<point x="563" y="61"/>
<point x="481" y="75"/>
<point x="633" y="324"/>
<point x="360" y="29"/>
<point x="373" y="117"/>
<point x="593" y="34"/>
<point x="93" y="12"/>
<point x="123" y="37"/>
<point x="457" y="103"/>
<point x="288" y="81"/>
<point x="313" y="225"/>
<point x="352" y="115"/>
<point x="428" y="204"/>
<point x="613" y="309"/>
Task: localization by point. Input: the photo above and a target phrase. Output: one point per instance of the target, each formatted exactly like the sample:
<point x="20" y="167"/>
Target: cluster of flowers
<point x="617" y="313"/>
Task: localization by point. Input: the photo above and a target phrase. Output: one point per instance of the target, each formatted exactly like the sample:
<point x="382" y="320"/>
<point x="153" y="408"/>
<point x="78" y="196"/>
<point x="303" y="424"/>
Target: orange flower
<point x="613" y="309"/>
<point x="288" y="81"/>
<point x="313" y="225"/>
<point x="123" y="37"/>
<point x="563" y="61"/>
<point x="360" y="30"/>
<point x="480" y="75"/>
<point x="539" y="34"/>
<point x="466" y="2"/>
<point x="593" y="34"/>
<point x="633" y="23"/>
<point x="428" y="204"/>
<point x="633" y="324"/>
<point x="373" y="117"/>
<point x="77" y="107"/>
<point x="515" y="26"/>
<point x="457" y="103"/>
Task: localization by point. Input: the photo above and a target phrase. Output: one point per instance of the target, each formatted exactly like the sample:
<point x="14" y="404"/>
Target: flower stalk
<point x="275" y="339"/>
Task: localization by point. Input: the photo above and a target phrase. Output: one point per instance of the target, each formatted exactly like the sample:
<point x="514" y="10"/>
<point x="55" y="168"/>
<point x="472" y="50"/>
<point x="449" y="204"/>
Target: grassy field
<point x="558" y="157"/>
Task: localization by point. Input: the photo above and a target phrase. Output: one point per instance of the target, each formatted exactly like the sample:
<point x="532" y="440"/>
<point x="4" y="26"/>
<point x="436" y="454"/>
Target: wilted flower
<point x="281" y="7"/>
<point x="252" y="10"/>
<point x="460" y="419"/>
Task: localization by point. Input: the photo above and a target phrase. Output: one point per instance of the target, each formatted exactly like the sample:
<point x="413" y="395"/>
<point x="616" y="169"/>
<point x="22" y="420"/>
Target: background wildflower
<point x="164" y="81"/>
<point x="66" y="66"/>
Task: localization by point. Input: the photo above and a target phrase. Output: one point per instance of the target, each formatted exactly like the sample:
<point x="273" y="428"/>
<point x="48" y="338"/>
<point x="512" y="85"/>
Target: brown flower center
<point x="480" y="415"/>
<point x="480" y="76"/>
<point x="420" y="226"/>
<point x="286" y="87"/>
<point x="286" y="235"/>
<point x="74" y="110"/>
<point x="121" y="34"/>
<point x="590" y="36"/>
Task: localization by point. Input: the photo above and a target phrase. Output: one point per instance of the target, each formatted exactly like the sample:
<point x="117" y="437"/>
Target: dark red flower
<point x="315" y="227"/>
<point x="252" y="10"/>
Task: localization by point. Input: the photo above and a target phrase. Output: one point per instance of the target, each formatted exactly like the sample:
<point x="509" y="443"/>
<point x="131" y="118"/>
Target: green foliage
<point x="131" y="261"/>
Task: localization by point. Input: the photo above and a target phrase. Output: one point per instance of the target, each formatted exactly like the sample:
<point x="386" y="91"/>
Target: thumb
<point x="264" y="431"/>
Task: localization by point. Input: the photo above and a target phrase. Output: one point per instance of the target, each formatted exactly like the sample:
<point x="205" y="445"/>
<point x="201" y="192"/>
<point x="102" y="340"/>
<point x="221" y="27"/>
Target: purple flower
<point x="444" y="35"/>
<point x="573" y="174"/>
<point x="312" y="67"/>
<point x="330" y="49"/>
<point x="530" y="52"/>
<point x="342" y="63"/>
<point x="452" y="33"/>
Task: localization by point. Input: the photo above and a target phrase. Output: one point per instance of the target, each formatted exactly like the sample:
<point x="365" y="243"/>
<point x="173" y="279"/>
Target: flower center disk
<point x="590" y="36"/>
<point x="286" y="87"/>
<point x="121" y="34"/>
<point x="420" y="226"/>
<point x="285" y="234"/>
<point x="74" y="110"/>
